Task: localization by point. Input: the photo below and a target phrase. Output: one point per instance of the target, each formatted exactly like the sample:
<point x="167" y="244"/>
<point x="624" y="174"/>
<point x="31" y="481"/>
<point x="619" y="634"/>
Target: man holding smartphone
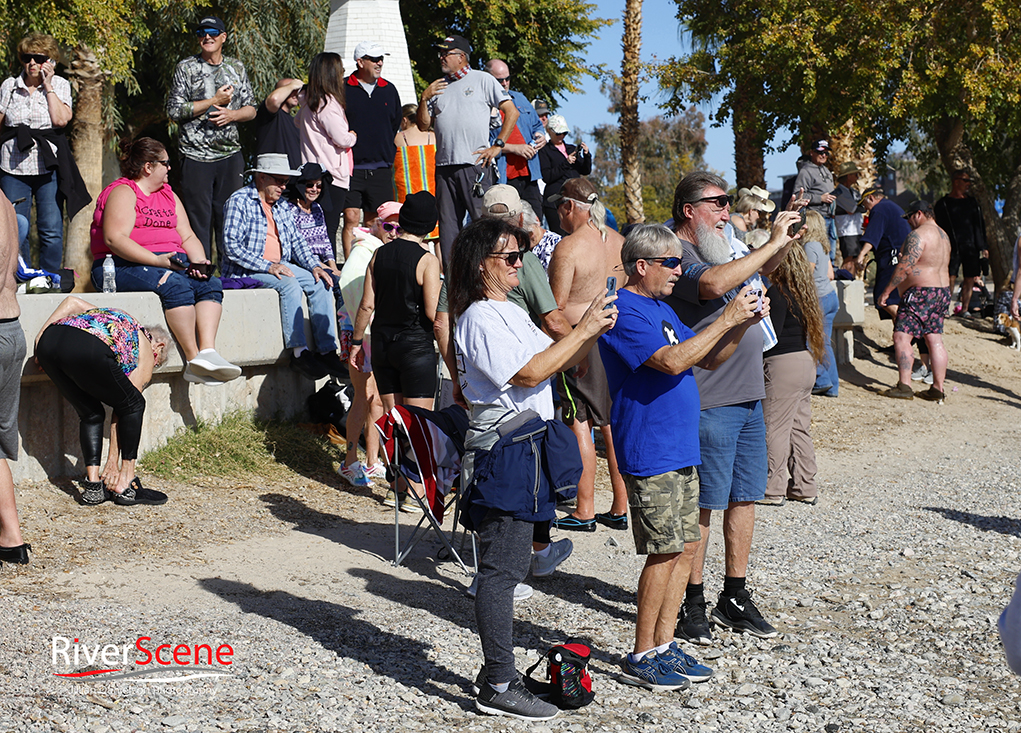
<point x="209" y="96"/>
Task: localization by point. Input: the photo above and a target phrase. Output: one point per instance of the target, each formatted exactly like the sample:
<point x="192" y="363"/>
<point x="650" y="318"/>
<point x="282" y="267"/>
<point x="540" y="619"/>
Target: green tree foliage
<point x="668" y="148"/>
<point x="543" y="41"/>
<point x="952" y="69"/>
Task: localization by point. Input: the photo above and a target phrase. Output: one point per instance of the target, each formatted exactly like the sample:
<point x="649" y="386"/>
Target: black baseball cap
<point x="454" y="43"/>
<point x="918" y="205"/>
<point x="211" y="21"/>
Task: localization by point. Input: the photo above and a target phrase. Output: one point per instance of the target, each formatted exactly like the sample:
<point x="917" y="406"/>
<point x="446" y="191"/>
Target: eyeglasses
<point x="391" y="228"/>
<point x="720" y="202"/>
<point x="314" y="184"/>
<point x="667" y="262"/>
<point x="373" y="59"/>
<point x="211" y="32"/>
<point x="512" y="258"/>
<point x="39" y="58"/>
<point x="444" y="54"/>
<point x="821" y="152"/>
<point x="279" y="180"/>
<point x="164" y="163"/>
<point x="477" y="190"/>
<point x="504" y="80"/>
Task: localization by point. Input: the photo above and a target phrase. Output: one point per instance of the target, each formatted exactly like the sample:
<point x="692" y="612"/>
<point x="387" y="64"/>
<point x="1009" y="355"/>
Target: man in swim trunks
<point x="922" y="279"/>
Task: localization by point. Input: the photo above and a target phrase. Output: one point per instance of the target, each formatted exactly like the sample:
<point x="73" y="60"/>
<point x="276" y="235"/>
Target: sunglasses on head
<point x="39" y="58"/>
<point x="721" y="202"/>
<point x="511" y="257"/>
<point x="211" y="32"/>
<point x="391" y="227"/>
<point x="373" y="59"/>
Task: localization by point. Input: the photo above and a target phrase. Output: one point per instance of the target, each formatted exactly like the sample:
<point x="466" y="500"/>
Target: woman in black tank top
<point x="402" y="288"/>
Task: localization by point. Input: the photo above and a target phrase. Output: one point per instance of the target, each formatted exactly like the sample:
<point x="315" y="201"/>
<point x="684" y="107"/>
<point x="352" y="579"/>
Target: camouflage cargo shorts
<point x="664" y="511"/>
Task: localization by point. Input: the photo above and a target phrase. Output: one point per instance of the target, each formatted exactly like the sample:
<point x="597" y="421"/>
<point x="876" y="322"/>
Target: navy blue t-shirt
<point x="886" y="231"/>
<point x="655" y="415"/>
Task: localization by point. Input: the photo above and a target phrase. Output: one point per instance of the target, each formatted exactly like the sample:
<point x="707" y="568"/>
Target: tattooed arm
<point x="907" y="264"/>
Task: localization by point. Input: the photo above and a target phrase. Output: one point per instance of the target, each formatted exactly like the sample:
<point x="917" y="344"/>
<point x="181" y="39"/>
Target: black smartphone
<point x="180" y="260"/>
<point x="796" y="226"/>
<point x="611" y="290"/>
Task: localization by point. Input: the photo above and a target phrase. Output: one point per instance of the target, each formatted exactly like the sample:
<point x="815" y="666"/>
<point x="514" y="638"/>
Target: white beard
<point x="712" y="245"/>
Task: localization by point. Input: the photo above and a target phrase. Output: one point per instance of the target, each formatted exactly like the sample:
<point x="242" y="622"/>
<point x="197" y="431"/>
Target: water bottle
<point x="109" y="275"/>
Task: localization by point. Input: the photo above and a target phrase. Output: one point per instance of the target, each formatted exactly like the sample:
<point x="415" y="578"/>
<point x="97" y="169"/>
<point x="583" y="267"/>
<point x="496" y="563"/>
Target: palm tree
<point x="631" y="166"/>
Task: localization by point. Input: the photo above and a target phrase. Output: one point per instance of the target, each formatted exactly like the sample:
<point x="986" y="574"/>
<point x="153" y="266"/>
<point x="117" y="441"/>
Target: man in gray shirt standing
<point x="460" y="107"/>
<point x="209" y="95"/>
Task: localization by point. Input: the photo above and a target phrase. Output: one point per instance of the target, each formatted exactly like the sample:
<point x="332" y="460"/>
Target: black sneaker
<point x="308" y="365"/>
<point x="739" y="613"/>
<point x="517" y="702"/>
<point x="333" y="365"/>
<point x="692" y="623"/>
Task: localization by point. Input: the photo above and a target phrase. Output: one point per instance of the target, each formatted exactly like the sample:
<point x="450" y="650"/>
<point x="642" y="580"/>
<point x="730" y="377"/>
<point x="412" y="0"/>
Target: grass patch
<point x="239" y="446"/>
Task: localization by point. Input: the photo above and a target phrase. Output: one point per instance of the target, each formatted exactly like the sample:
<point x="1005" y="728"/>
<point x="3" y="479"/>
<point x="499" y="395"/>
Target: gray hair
<point x="528" y="217"/>
<point x="161" y="335"/>
<point x="646" y="241"/>
<point x="691" y="188"/>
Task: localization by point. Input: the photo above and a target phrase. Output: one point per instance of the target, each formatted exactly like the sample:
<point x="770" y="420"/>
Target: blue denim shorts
<point x="734" y="464"/>
<point x="175" y="291"/>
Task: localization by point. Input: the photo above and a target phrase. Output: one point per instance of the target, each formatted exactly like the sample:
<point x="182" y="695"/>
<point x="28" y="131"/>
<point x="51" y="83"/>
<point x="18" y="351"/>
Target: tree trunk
<point x="630" y="163"/>
<point x="749" y="161"/>
<point x="955" y="153"/>
<point x="87" y="142"/>
<point x="843" y="149"/>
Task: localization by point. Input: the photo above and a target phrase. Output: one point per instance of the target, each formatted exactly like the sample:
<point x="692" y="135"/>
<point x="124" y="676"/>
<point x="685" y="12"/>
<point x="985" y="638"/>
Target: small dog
<point x="1012" y="327"/>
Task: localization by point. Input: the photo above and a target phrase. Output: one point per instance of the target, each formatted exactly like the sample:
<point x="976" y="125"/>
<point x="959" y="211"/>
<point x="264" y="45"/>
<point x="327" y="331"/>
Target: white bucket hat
<point x="274" y="164"/>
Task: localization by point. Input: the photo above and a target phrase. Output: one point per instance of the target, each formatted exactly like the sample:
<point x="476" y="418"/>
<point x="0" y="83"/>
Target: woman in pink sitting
<point x="142" y="223"/>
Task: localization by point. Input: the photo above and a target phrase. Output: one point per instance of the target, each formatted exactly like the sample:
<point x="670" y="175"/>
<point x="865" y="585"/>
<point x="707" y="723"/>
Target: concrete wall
<point x="354" y="21"/>
<point x="249" y="336"/>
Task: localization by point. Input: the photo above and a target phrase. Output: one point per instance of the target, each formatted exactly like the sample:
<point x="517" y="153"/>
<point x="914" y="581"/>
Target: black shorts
<point x="850" y="246"/>
<point x="404" y="366"/>
<point x="369" y="189"/>
<point x="968" y="260"/>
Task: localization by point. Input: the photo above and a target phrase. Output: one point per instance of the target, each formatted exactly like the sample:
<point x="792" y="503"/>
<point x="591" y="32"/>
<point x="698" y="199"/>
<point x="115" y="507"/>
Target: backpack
<point x="330" y="404"/>
<point x="567" y="671"/>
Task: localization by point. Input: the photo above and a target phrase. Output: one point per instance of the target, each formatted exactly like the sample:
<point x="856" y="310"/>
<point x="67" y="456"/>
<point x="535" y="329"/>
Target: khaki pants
<point x="787" y="410"/>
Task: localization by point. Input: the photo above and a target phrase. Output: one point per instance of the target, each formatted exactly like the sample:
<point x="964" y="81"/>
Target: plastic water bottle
<point x="109" y="275"/>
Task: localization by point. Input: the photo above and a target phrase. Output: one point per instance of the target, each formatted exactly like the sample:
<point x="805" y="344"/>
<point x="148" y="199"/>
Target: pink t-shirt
<point x="155" y="219"/>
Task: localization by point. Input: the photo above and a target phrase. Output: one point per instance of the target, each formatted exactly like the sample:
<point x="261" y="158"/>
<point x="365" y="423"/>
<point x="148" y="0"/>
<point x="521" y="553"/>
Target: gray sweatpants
<point x="506" y="553"/>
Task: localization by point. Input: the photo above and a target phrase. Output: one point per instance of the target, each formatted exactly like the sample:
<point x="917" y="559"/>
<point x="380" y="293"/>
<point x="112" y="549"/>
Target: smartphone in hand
<point x="611" y="290"/>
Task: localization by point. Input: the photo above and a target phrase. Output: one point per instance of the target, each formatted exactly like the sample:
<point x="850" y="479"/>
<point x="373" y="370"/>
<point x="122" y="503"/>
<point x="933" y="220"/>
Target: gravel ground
<point x="886" y="593"/>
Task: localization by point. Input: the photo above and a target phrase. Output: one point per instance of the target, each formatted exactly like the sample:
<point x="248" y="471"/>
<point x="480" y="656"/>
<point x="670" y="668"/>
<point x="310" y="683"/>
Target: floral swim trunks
<point x="922" y="311"/>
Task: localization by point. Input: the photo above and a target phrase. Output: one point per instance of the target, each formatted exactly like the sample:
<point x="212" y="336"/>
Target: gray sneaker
<point x="558" y="552"/>
<point x="920" y="373"/>
<point x="210" y="364"/>
<point x="516" y="702"/>
<point x="521" y="591"/>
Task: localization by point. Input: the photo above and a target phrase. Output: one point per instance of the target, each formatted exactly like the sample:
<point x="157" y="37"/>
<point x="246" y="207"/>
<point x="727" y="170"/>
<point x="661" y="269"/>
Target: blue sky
<point x="660" y="38"/>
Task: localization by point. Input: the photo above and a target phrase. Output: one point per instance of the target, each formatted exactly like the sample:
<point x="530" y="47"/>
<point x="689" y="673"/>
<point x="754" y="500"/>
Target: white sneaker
<point x="354" y="474"/>
<point x="376" y="470"/>
<point x="521" y="591"/>
<point x="193" y="376"/>
<point x="208" y="363"/>
<point x="558" y="552"/>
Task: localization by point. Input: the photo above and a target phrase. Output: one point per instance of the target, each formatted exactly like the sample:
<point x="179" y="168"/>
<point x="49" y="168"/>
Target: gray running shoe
<point x="558" y="552"/>
<point x="516" y="702"/>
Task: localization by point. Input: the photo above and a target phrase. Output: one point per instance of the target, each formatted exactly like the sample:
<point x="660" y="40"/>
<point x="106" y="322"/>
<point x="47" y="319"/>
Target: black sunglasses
<point x="39" y="58"/>
<point x="504" y="79"/>
<point x="667" y="262"/>
<point x="373" y="59"/>
<point x="721" y="202"/>
<point x="211" y="32"/>
<point x="511" y="257"/>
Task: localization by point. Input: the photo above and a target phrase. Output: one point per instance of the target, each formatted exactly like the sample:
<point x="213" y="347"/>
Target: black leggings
<point x="86" y="372"/>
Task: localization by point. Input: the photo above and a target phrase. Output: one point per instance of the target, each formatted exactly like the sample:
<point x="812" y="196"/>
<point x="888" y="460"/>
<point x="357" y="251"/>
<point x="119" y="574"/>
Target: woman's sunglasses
<point x="39" y="58"/>
<point x="511" y="257"/>
<point x="391" y="227"/>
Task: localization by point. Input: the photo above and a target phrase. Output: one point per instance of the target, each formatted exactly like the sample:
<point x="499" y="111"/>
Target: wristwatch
<point x="499" y="143"/>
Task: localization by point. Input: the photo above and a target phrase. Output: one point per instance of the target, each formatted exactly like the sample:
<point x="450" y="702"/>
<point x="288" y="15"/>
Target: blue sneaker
<point x="652" y="673"/>
<point x="684" y="664"/>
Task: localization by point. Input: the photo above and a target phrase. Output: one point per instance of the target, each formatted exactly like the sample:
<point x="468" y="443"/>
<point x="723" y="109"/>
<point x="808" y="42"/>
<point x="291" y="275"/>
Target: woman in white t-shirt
<point x="504" y="365"/>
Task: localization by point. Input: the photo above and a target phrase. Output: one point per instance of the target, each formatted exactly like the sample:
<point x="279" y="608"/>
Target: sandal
<point x="138" y="494"/>
<point x="18" y="555"/>
<point x="573" y="523"/>
<point x="613" y="521"/>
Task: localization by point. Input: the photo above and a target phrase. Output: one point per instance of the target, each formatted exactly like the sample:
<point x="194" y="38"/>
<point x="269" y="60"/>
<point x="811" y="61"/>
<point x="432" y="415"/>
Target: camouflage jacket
<point x="195" y="79"/>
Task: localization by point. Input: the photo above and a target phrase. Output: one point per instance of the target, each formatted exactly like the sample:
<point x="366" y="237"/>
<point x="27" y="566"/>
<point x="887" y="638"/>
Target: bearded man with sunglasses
<point x="732" y="432"/>
<point x="209" y="96"/>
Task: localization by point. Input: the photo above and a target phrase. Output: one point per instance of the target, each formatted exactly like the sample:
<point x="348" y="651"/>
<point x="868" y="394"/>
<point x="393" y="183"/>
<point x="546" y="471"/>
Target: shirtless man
<point x="12" y="355"/>
<point x="923" y="281"/>
<point x="582" y="261"/>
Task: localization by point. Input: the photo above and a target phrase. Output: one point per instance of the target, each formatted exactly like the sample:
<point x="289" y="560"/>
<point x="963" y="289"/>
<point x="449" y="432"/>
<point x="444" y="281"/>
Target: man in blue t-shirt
<point x="648" y="357"/>
<point x="885" y="233"/>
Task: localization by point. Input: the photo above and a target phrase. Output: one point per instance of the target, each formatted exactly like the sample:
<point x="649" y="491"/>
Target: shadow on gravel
<point x="1003" y="525"/>
<point x="340" y="630"/>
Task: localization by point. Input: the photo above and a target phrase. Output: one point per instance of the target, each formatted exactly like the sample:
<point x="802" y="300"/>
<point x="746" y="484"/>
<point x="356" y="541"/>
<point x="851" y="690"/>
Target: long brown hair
<point x="325" y="79"/>
<point x="793" y="277"/>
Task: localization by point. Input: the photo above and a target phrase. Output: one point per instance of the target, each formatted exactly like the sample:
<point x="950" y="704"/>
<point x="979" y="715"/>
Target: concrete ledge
<point x="249" y="336"/>
<point x="851" y="294"/>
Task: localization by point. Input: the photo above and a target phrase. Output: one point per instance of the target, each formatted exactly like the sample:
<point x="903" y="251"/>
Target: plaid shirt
<point x="245" y="228"/>
<point x="20" y="107"/>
